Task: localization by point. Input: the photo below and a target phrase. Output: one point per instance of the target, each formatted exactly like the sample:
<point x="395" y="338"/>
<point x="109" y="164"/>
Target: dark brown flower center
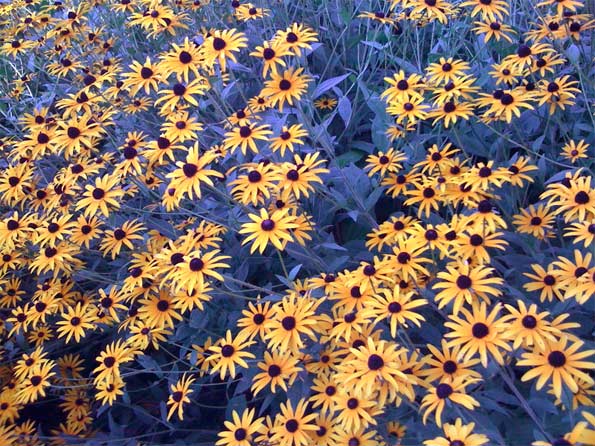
<point x="375" y="362"/>
<point x="556" y="358"/>
<point x="480" y="330"/>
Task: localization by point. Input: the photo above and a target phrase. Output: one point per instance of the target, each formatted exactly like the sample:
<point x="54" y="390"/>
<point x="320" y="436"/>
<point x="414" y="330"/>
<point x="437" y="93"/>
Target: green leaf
<point x="325" y="86"/>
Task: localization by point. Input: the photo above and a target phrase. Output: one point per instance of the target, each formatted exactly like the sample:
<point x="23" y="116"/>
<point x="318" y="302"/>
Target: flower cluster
<point x="312" y="223"/>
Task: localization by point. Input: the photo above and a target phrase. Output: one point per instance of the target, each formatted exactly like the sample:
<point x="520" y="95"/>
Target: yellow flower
<point x="559" y="361"/>
<point x="179" y="395"/>
<point x="268" y="228"/>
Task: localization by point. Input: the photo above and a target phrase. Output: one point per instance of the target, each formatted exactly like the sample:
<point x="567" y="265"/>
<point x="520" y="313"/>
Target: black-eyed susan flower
<point x="59" y="258"/>
<point x="193" y="172"/>
<point x="372" y="363"/>
<point x="14" y="181"/>
<point x="445" y="70"/>
<point x="108" y="391"/>
<point x="559" y="362"/>
<point x="526" y="53"/>
<point x="272" y="54"/>
<point x="402" y="87"/>
<point x="268" y="228"/>
<point x="143" y="335"/>
<point x="242" y="430"/>
<point x="288" y="87"/>
<point x="472" y="245"/>
<point x="75" y="321"/>
<point x="297" y="37"/>
<point x="248" y="11"/>
<point x="547" y="282"/>
<point x="536" y="220"/>
<point x="229" y="353"/>
<point x="288" y="137"/>
<point x="75" y="135"/>
<point x="186" y="301"/>
<point x="486" y="215"/>
<point x="297" y="178"/>
<point x="114" y="240"/>
<point x="146" y="76"/>
<point x="562" y="5"/>
<point x="558" y="93"/>
<point x="158" y="310"/>
<point x="104" y="195"/>
<point x="492" y="10"/>
<point x="181" y="127"/>
<point x="245" y="137"/>
<point x="571" y="272"/>
<point x="354" y="411"/>
<point x="110" y="359"/>
<point x="325" y="103"/>
<point x="407" y="259"/>
<point x="85" y="230"/>
<point x="277" y="371"/>
<point x="581" y="232"/>
<point x="181" y="93"/>
<point x="574" y="151"/>
<point x="255" y="186"/>
<point x="464" y="283"/>
<point x="293" y="425"/>
<point x="395" y="307"/>
<point x="182" y="60"/>
<point x="479" y="333"/>
<point x="255" y="320"/>
<point x="504" y="104"/>
<point x="459" y="434"/>
<point x="519" y="170"/>
<point x="385" y="162"/>
<point x="450" y="112"/>
<point x="528" y="327"/>
<point x="29" y="362"/>
<point x="38" y="379"/>
<point x="494" y="30"/>
<point x="178" y="395"/>
<point x="454" y="392"/>
<point x="427" y="196"/>
<point x="221" y="46"/>
<point x="433" y="10"/>
<point x="196" y="268"/>
<point x="505" y="73"/>
<point x="446" y="364"/>
<point x="292" y="318"/>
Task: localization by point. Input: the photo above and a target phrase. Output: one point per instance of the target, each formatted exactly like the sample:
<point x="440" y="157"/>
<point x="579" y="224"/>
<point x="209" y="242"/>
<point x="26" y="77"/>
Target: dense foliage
<point x="292" y="223"/>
